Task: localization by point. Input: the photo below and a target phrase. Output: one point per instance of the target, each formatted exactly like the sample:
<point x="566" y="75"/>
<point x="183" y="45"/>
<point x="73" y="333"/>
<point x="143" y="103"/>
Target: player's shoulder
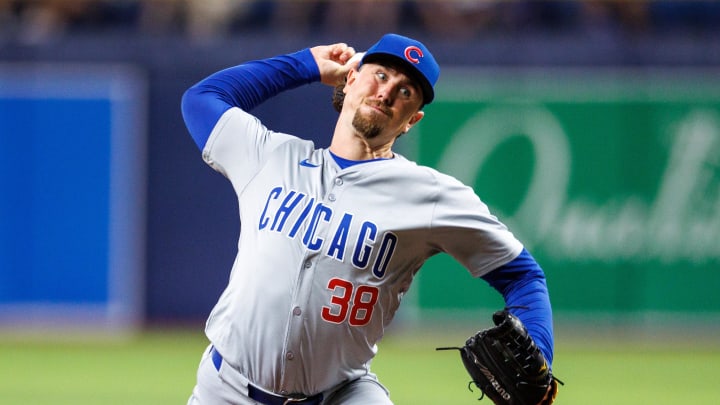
<point x="289" y="147"/>
<point x="248" y="124"/>
<point x="429" y="175"/>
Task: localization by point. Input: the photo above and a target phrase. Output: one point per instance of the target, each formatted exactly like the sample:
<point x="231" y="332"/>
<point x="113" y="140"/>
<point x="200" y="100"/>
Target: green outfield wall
<point x="611" y="178"/>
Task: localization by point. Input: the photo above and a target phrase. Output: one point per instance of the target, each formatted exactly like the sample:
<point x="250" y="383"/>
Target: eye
<point x="381" y="75"/>
<point x="406" y="92"/>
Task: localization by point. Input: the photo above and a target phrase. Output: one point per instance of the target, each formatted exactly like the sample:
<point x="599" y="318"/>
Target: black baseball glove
<point x="506" y="364"/>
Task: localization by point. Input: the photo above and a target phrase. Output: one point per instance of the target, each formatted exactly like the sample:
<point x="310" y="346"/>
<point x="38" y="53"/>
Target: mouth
<point x="379" y="107"/>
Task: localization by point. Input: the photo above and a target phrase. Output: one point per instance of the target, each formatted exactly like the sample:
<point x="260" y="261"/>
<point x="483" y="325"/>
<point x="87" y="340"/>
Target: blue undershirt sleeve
<point x="244" y="86"/>
<point x="523" y="286"/>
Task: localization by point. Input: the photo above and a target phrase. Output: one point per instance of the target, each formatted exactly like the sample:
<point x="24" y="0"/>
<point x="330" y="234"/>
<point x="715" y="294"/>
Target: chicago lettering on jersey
<point x="297" y="215"/>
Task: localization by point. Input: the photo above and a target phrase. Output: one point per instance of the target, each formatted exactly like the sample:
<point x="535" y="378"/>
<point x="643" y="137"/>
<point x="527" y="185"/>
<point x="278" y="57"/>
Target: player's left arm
<point x="523" y="285"/>
<point x="463" y="227"/>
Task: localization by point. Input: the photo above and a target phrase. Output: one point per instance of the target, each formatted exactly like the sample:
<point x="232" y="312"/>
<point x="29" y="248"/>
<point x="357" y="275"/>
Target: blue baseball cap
<point x="411" y="54"/>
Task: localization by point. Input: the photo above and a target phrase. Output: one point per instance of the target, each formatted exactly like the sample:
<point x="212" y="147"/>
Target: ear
<point x="414" y="120"/>
<point x="350" y="78"/>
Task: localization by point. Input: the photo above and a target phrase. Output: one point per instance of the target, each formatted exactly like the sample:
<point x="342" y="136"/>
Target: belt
<point x="265" y="397"/>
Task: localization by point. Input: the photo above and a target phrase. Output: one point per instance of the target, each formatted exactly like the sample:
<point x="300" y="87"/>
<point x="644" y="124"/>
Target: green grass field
<point x="159" y="368"/>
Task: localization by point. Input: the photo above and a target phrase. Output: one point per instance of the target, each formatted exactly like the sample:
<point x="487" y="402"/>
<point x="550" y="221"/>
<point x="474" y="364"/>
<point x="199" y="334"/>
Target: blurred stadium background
<point x="591" y="127"/>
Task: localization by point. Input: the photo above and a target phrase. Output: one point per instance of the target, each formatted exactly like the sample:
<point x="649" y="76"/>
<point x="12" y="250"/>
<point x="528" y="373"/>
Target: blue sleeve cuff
<point x="523" y="286"/>
<point x="244" y="86"/>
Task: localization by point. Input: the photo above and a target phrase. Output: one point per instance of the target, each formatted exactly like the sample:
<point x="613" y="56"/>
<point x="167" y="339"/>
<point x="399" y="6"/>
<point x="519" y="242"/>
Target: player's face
<point x="386" y="102"/>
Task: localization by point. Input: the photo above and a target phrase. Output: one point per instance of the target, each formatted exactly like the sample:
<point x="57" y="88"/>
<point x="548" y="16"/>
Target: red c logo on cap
<point x="413" y="54"/>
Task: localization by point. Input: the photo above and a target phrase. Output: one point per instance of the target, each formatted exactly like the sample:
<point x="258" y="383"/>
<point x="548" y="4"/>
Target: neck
<point x="349" y="144"/>
<point x="360" y="149"/>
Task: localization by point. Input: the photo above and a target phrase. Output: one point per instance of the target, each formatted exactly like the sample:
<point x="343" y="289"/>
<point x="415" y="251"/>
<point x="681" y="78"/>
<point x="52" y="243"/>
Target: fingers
<point x="336" y="54"/>
<point x="341" y="53"/>
<point x="332" y="61"/>
<point x="354" y="61"/>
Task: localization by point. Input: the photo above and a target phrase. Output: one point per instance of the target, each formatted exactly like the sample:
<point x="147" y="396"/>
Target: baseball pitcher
<point x="332" y="236"/>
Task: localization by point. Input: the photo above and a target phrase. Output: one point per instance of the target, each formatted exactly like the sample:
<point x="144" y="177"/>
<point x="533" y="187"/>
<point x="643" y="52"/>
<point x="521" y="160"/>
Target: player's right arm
<point x="247" y="85"/>
<point x="244" y="86"/>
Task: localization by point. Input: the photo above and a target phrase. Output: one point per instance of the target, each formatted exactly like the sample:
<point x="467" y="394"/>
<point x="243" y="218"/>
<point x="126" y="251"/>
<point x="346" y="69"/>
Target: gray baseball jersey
<point x="326" y="254"/>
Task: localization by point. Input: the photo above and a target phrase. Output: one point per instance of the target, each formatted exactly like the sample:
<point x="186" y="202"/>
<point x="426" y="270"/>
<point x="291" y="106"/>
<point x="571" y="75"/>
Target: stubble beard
<point x="367" y="126"/>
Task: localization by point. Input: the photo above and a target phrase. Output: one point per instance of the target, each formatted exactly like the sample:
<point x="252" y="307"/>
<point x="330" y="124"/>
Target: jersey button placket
<point x="332" y="197"/>
<point x="295" y="321"/>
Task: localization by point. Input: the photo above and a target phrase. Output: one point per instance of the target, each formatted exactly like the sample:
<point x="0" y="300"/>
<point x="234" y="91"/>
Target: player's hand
<point x="334" y="62"/>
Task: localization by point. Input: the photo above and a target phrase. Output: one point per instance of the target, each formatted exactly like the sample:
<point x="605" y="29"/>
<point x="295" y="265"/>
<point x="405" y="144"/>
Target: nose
<point x="385" y="94"/>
